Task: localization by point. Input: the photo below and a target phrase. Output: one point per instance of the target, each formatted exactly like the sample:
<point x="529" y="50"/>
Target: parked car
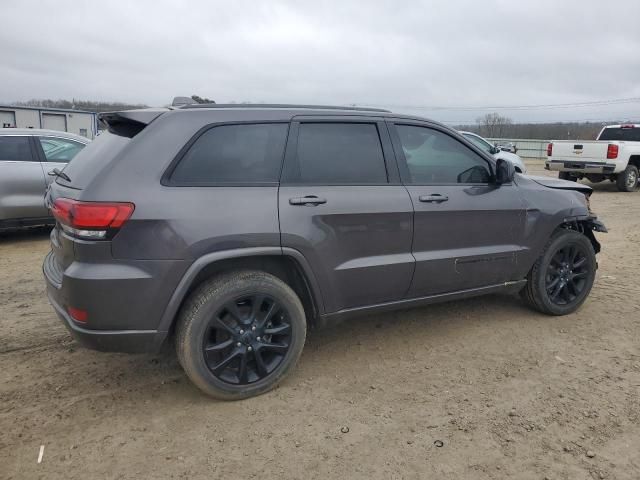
<point x="496" y="151"/>
<point x="26" y="156"/>
<point x="231" y="229"/>
<point x="507" y="147"/>
<point x="614" y="156"/>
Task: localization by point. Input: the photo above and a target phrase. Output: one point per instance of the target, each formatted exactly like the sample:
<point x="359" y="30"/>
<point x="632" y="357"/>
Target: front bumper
<point x="108" y="340"/>
<point x="580" y="167"/>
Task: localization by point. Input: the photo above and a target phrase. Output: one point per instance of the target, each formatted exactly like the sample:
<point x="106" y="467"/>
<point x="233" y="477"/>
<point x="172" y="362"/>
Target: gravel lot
<point x="475" y="389"/>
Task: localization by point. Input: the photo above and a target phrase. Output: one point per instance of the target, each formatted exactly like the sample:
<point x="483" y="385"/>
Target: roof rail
<point x="277" y="105"/>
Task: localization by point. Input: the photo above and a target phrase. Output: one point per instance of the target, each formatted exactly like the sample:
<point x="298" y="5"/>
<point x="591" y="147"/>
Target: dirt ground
<point x="508" y="392"/>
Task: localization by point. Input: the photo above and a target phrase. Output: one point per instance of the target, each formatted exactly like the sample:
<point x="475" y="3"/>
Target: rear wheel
<point x="567" y="176"/>
<point x="627" y="181"/>
<point x="563" y="275"/>
<point x="240" y="333"/>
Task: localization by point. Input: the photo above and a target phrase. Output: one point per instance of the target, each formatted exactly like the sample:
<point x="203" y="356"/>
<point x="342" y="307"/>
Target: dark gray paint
<point x="368" y="248"/>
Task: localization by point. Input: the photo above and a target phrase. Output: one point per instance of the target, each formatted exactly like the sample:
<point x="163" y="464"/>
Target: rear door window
<point x="233" y="154"/>
<point x="15" y="148"/>
<point x="59" y="150"/>
<point x="338" y="154"/>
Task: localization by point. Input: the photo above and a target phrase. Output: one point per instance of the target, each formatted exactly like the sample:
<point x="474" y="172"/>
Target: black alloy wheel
<point x="240" y="333"/>
<point x="247" y="339"/>
<point x="561" y="278"/>
<point x="567" y="273"/>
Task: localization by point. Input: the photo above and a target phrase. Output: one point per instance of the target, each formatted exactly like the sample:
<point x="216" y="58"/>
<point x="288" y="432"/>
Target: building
<point x="79" y="122"/>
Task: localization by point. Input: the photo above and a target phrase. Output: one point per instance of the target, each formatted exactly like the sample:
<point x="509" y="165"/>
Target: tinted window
<point x="15" y="148"/>
<point x="59" y="149"/>
<point x="234" y="154"/>
<point x="434" y="157"/>
<point x="478" y="142"/>
<point x="621" y="134"/>
<point x="93" y="158"/>
<point x="338" y="153"/>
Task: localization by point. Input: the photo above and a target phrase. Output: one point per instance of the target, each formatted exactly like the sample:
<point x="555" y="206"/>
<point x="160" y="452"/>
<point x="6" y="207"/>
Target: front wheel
<point x="563" y="275"/>
<point x="627" y="181"/>
<point x="240" y="333"/>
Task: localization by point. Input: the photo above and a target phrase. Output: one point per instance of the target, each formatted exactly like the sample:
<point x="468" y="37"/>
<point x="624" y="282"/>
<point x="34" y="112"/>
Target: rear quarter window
<point x="90" y="161"/>
<point x="621" y="134"/>
<point x="233" y="154"/>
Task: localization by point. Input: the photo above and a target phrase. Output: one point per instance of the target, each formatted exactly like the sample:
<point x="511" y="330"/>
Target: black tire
<point x="627" y="181"/>
<point x="567" y="176"/>
<point x="540" y="289"/>
<point x="223" y="307"/>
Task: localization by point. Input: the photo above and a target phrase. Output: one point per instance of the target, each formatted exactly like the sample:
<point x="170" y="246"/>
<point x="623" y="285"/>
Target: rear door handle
<point x="434" y="198"/>
<point x="308" y="200"/>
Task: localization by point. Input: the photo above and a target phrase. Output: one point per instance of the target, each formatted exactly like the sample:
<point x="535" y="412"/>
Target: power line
<point x="616" y="101"/>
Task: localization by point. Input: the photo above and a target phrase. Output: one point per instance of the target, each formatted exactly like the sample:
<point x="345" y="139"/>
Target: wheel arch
<point x="586" y="226"/>
<point x="289" y="265"/>
<point x="583" y="224"/>
<point x="635" y="161"/>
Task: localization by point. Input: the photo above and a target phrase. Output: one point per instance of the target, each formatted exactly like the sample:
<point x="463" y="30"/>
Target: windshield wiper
<point x="56" y="172"/>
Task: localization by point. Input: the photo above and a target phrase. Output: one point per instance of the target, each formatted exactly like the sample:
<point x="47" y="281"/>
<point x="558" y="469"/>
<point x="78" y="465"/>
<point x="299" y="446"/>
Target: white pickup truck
<point x="614" y="156"/>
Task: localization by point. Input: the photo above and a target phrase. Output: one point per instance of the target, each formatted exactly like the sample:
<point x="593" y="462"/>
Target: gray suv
<point x="26" y="157"/>
<point x="230" y="230"/>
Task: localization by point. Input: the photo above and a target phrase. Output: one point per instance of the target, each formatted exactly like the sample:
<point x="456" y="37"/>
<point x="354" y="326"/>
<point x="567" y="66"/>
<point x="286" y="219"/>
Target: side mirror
<point x="505" y="171"/>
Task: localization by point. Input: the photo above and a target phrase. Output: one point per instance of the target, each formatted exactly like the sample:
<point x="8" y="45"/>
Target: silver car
<point x="26" y="158"/>
<point x="497" y="152"/>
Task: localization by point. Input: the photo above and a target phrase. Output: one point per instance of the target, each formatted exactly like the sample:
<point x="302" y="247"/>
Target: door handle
<point x="309" y="200"/>
<point x="434" y="198"/>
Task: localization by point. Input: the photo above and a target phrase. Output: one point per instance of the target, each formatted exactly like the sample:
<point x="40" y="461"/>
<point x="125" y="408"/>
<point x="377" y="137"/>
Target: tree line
<point x="494" y="125"/>
<point x="73" y="104"/>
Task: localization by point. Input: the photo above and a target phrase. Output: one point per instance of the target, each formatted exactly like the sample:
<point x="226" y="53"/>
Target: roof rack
<point x="277" y="105"/>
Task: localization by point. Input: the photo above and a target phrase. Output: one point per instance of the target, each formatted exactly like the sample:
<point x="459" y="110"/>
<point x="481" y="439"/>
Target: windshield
<point x="479" y="142"/>
<point x="622" y="134"/>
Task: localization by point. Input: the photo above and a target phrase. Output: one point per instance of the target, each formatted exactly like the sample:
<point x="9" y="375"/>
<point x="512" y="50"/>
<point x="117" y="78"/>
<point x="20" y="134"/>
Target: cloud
<point x="398" y="54"/>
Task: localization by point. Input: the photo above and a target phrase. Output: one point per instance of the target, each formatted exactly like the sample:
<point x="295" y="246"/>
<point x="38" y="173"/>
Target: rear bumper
<point x="127" y="341"/>
<point x="106" y="340"/>
<point x="580" y="167"/>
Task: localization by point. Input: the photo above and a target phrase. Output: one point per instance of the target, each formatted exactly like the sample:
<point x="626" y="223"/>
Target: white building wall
<point x="27" y="118"/>
<point x="80" y="123"/>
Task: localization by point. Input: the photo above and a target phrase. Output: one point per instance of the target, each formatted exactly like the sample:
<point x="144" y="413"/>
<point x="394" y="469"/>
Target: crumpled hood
<point x="551" y="182"/>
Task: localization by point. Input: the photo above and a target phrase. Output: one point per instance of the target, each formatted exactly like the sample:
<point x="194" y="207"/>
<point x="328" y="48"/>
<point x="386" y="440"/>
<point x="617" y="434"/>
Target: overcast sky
<point x="403" y="55"/>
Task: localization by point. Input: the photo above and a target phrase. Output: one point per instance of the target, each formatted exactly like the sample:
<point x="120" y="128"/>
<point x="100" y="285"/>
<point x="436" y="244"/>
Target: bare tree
<point x="493" y="125"/>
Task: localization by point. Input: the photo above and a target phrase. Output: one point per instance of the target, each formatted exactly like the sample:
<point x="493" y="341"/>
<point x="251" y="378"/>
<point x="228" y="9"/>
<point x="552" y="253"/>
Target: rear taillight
<point x="91" y="220"/>
<point x="549" y="149"/>
<point x="612" y="151"/>
<point x="78" y="314"/>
